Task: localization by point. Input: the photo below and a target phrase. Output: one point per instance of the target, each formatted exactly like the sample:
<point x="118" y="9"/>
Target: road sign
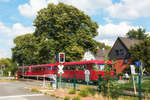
<point x="132" y="69"/>
<point x="60" y="69"/>
<point x="87" y="74"/>
<point x="137" y="63"/>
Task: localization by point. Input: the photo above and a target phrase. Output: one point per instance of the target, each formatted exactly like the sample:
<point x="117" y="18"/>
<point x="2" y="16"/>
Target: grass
<point x="84" y="92"/>
<point x="35" y="90"/>
<point x="77" y="98"/>
<point x="67" y="98"/>
<point x="72" y="91"/>
<point x="145" y="85"/>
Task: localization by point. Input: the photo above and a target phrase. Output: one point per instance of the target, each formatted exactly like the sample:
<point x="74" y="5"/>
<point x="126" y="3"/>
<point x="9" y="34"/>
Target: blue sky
<point x="114" y="17"/>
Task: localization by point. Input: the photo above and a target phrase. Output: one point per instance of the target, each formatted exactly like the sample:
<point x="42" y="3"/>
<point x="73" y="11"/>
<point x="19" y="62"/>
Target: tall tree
<point x="70" y="30"/>
<point x="25" y="52"/>
<point x="9" y="66"/>
<point x="140" y="52"/>
<point x="138" y="34"/>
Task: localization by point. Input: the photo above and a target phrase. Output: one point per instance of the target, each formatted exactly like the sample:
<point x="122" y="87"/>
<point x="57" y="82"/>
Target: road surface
<point x="15" y="91"/>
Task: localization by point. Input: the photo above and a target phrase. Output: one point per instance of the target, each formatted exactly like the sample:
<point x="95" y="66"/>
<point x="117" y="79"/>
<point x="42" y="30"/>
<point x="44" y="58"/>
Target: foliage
<point x="77" y="98"/>
<point x="137" y="34"/>
<point x="25" y="52"/>
<point x="94" y="68"/>
<point x="84" y="92"/>
<point x="72" y="91"/>
<point x="92" y="91"/>
<point x="35" y="90"/>
<point x="67" y="98"/>
<point x="107" y="85"/>
<point x="120" y="74"/>
<point x="141" y="53"/>
<point x="9" y="66"/>
<point x="58" y="28"/>
<point x="71" y="30"/>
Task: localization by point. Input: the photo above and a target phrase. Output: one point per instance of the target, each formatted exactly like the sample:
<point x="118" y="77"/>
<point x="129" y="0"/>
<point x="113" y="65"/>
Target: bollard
<point x="74" y="81"/>
<point x="16" y="76"/>
<point x="56" y="81"/>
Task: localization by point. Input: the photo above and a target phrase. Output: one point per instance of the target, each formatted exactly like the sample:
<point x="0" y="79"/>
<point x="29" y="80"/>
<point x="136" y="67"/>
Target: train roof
<point x="88" y="62"/>
<point x="72" y="63"/>
<point x="44" y="65"/>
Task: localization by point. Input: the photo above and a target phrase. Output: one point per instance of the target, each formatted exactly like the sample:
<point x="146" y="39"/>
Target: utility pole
<point x="2" y="68"/>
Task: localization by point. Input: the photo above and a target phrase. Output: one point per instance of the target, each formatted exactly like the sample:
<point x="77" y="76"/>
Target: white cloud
<point x="30" y="9"/>
<point x="7" y="34"/>
<point x="18" y="29"/>
<point x="107" y="19"/>
<point x="109" y="32"/>
<point x="4" y="29"/>
<point x="4" y="53"/>
<point x="130" y="9"/>
<point x="89" y="6"/>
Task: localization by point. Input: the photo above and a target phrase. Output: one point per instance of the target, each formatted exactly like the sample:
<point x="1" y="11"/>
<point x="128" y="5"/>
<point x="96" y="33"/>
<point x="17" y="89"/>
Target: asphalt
<point x="14" y="90"/>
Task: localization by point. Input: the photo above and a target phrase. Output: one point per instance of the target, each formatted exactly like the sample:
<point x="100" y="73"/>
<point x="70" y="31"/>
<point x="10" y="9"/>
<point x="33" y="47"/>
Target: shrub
<point x="77" y="98"/>
<point x="35" y="90"/>
<point x="67" y="98"/>
<point x="92" y="91"/>
<point x="84" y="92"/>
<point x="72" y="91"/>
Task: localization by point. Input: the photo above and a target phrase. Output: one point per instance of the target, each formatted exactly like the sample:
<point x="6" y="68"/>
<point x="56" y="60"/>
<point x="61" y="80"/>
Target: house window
<point x="117" y="52"/>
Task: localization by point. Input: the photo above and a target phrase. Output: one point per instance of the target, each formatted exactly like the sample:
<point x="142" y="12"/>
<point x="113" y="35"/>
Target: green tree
<point x="141" y="53"/>
<point x="70" y="30"/>
<point x="25" y="52"/>
<point x="9" y="66"/>
<point x="138" y="34"/>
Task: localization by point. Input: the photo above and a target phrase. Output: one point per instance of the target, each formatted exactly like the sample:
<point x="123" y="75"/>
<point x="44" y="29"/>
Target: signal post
<point x="61" y="59"/>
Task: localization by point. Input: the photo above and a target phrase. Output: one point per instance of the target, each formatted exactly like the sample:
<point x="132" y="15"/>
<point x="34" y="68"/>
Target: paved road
<point x="15" y="91"/>
<point x="1" y="77"/>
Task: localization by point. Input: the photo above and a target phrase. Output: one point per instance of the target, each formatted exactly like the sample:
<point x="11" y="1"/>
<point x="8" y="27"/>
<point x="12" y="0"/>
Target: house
<point x="120" y="52"/>
<point x="100" y="55"/>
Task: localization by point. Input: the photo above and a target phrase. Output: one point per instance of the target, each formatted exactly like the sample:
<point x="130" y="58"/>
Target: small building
<point x="100" y="55"/>
<point x="120" y="52"/>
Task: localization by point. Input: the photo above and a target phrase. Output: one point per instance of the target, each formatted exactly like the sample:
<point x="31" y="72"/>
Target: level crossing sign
<point x="60" y="71"/>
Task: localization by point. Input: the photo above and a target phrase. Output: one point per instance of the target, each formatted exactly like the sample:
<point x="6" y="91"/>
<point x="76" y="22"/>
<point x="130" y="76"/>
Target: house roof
<point x="128" y="42"/>
<point x="100" y="55"/>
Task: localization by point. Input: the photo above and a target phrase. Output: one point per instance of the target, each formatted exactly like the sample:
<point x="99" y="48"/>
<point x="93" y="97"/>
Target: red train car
<point x="78" y="68"/>
<point x="37" y="70"/>
<point x="95" y="68"/>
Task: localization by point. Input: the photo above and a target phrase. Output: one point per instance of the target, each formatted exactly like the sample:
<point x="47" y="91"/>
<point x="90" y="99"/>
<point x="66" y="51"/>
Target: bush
<point x="92" y="91"/>
<point x="84" y="92"/>
<point x="35" y="90"/>
<point x="67" y="98"/>
<point x="77" y="98"/>
<point x="72" y="91"/>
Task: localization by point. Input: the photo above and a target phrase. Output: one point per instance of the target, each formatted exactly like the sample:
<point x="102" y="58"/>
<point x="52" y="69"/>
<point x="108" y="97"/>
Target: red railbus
<point x="95" y="68"/>
<point x="44" y="70"/>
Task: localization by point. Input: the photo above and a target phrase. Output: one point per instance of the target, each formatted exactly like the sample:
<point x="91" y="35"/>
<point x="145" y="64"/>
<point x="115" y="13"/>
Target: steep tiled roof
<point x="128" y="42"/>
<point x="100" y="55"/>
